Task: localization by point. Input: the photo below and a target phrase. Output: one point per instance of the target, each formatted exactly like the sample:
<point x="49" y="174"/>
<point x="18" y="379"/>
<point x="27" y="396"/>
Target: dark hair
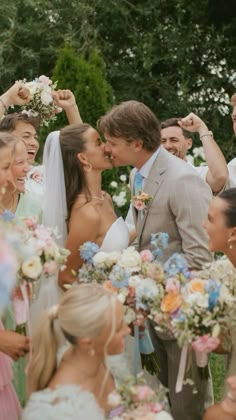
<point x="173" y="122"/>
<point x="72" y="141"/>
<point x="230" y="212"/>
<point x="9" y="122"/>
<point x="132" y="120"/>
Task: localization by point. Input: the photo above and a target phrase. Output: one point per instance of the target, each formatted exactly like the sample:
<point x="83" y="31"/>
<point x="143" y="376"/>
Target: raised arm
<point x="16" y="95"/>
<point x="65" y="99"/>
<point x="217" y="174"/>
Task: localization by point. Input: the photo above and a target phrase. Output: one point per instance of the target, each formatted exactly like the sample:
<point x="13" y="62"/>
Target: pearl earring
<point x="230" y="244"/>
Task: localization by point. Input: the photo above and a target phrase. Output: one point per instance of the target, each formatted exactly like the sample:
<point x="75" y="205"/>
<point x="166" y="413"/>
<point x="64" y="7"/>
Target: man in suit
<point x="179" y="205"/>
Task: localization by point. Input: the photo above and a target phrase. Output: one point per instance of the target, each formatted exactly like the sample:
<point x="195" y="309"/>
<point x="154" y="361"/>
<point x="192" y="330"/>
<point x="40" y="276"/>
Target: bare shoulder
<point x="85" y="214"/>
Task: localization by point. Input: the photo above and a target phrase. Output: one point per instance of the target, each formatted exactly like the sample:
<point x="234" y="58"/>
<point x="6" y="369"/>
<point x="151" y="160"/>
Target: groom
<point x="179" y="204"/>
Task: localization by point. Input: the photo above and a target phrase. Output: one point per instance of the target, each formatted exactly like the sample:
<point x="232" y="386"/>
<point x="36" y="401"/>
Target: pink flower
<point x="143" y="392"/>
<point x="146" y="255"/>
<point x="36" y="176"/>
<point x="139" y="205"/>
<point x="156" y="407"/>
<point x="172" y="285"/>
<point x="45" y="80"/>
<point x="206" y="343"/>
<point x="50" y="268"/>
<point x="30" y="222"/>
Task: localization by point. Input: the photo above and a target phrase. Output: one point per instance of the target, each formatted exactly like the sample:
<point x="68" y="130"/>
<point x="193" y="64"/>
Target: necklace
<point x="93" y="196"/>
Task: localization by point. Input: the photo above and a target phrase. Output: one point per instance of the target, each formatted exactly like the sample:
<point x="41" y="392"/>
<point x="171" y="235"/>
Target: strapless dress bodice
<point x="117" y="237"/>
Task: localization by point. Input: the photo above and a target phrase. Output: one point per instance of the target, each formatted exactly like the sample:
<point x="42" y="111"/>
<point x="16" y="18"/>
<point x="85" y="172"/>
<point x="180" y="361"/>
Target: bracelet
<point x="3" y="104"/>
<point x="208" y="134"/>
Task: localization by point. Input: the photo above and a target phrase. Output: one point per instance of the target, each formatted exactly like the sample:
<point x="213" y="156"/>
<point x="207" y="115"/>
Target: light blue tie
<point x="138" y="183"/>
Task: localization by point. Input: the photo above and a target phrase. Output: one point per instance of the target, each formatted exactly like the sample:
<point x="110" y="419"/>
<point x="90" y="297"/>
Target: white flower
<point x="32" y="268"/>
<point x="100" y="259"/>
<point x="225" y="295"/>
<point x="197" y="299"/>
<point x="46" y="97"/>
<point x="134" y="281"/>
<point x="163" y="415"/>
<point x="121" y="298"/>
<point x="130" y="315"/>
<point x="114" y="399"/>
<point x="123" y="178"/>
<point x="130" y="258"/>
<point x="114" y="184"/>
<point x="147" y="288"/>
<point x="119" y="200"/>
<point x="112" y="258"/>
<point x="32" y="86"/>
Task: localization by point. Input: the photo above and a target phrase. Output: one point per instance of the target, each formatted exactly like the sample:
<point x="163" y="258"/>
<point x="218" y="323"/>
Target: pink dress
<point x="9" y="405"/>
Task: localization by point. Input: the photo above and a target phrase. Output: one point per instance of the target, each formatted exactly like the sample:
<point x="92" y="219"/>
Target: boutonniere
<point x="36" y="174"/>
<point x="141" y="201"/>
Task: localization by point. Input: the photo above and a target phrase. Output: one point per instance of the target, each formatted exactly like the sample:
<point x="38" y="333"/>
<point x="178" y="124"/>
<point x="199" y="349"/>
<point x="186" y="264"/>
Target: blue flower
<point x="8" y="216"/>
<point x="159" y="241"/>
<point x="119" y="277"/>
<point x="88" y="250"/>
<point x="213" y="289"/>
<point x="176" y="264"/>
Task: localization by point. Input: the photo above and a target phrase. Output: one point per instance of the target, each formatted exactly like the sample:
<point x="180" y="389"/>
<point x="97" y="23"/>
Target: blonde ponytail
<point x="45" y="347"/>
<point x="82" y="312"/>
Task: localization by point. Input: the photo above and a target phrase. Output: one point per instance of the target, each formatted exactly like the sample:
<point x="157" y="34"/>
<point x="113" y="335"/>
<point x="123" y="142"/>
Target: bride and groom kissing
<point x="74" y="160"/>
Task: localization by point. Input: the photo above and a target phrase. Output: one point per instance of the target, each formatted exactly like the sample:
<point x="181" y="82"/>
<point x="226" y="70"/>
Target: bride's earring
<point x="230" y="244"/>
<point x="88" y="167"/>
<point x="91" y="352"/>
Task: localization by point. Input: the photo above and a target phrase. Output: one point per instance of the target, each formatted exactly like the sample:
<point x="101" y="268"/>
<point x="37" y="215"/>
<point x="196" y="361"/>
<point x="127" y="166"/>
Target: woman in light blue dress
<point x="92" y="321"/>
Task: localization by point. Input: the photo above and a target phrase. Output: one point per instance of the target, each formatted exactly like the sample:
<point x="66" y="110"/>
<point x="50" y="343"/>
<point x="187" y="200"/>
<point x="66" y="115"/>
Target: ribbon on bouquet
<point x="142" y="344"/>
<point x="22" y="314"/>
<point x="182" y="368"/>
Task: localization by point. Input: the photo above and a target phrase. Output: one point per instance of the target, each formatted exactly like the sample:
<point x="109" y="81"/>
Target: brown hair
<point x="233" y="100"/>
<point x="229" y="196"/>
<point x="9" y="122"/>
<point x="173" y="122"/>
<point x="73" y="141"/>
<point x="132" y="120"/>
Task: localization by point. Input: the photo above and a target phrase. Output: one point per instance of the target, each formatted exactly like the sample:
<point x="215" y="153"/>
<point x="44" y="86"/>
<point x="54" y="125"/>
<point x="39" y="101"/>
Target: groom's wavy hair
<point x="132" y="120"/>
<point x="73" y="141"/>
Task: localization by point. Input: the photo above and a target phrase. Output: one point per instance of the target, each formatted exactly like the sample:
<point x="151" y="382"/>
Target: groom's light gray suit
<point x="179" y="206"/>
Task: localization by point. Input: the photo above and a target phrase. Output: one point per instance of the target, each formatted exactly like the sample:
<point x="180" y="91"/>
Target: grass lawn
<point x="217" y="363"/>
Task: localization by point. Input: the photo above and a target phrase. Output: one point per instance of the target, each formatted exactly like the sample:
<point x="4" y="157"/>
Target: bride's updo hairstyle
<point x="73" y="141"/>
<point x="82" y="312"/>
<point x="229" y="196"/>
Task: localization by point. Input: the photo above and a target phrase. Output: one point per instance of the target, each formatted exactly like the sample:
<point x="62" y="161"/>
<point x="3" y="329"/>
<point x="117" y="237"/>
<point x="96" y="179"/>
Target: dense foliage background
<point x="176" y="56"/>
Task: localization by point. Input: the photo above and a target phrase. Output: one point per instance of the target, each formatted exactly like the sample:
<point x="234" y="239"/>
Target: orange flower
<point x="171" y="302"/>
<point x="108" y="285"/>
<point x="196" y="285"/>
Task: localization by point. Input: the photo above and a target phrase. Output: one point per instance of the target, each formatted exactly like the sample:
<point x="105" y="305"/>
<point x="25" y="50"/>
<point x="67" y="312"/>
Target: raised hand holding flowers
<point x="42" y="104"/>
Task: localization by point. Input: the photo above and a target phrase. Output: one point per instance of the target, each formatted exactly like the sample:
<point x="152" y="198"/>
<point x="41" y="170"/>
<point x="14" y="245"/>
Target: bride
<point x="75" y="204"/>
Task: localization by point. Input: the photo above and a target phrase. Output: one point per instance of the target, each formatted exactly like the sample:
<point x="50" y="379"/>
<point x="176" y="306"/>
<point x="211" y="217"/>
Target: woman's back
<point x="64" y="402"/>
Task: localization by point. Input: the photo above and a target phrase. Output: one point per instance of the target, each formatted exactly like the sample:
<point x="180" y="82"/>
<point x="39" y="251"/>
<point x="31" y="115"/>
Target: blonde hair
<point x="82" y="312"/>
<point x="7" y="140"/>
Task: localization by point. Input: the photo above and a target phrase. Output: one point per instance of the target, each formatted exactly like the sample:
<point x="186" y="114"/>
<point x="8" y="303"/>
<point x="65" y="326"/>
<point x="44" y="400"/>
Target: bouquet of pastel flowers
<point x="195" y="310"/>
<point x="133" y="399"/>
<point x="41" y="104"/>
<point x="37" y="254"/>
<point x="137" y="278"/>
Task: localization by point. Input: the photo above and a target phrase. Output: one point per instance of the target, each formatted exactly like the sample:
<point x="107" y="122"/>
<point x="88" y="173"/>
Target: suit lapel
<point x="153" y="183"/>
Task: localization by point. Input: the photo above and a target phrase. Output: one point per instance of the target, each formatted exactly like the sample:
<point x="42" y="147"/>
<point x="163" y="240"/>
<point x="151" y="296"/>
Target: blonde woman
<point x="92" y="321"/>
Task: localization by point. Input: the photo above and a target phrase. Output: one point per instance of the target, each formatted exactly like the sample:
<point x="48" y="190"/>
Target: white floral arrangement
<point x="197" y="158"/>
<point x="41" y="104"/>
<point x="120" y="191"/>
